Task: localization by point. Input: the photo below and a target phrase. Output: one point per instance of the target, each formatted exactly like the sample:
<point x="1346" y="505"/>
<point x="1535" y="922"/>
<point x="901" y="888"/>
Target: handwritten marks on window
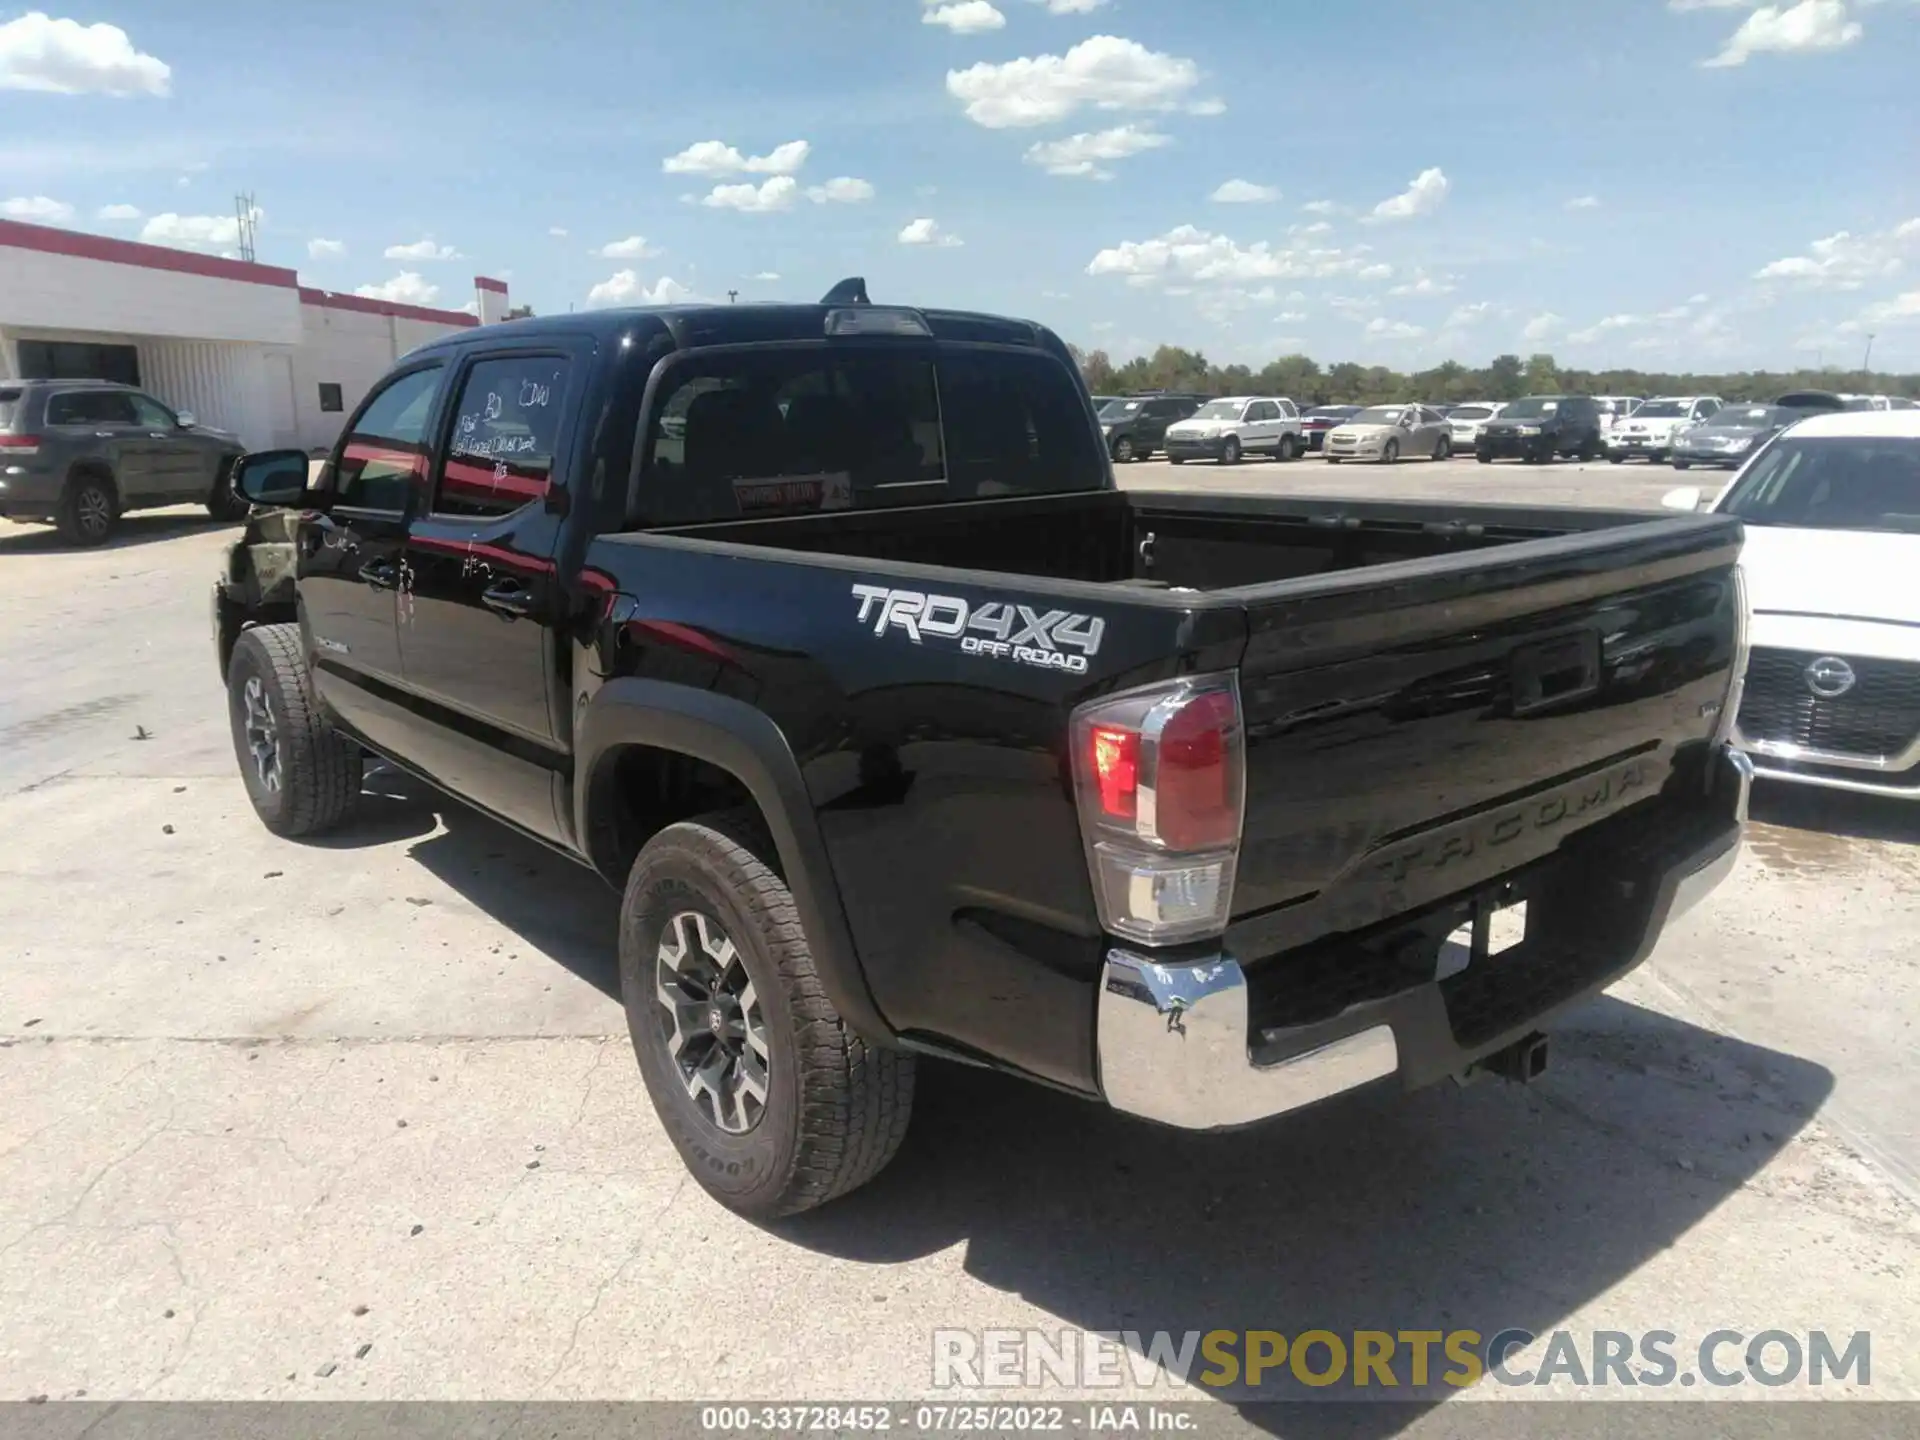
<point x="506" y="427"/>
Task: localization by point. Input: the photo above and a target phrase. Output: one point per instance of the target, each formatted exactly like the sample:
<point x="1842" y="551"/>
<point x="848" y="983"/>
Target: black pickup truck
<point x="823" y="632"/>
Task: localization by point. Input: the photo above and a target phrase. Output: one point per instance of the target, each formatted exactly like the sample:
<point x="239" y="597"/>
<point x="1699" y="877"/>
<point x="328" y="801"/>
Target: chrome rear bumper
<point x="1174" y="1040"/>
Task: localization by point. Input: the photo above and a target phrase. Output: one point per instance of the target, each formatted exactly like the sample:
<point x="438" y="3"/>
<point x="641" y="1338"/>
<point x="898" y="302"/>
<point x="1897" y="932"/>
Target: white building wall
<point x="223" y="385"/>
<point x="351" y="349"/>
<point x="68" y="292"/>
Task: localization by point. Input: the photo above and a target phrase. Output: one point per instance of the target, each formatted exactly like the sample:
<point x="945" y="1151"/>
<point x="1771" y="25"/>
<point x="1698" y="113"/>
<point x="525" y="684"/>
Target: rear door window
<point x="506" y="424"/>
<point x="770" y="432"/>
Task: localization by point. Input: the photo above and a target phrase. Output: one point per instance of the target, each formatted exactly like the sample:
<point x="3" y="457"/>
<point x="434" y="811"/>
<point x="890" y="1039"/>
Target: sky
<point x="1664" y="184"/>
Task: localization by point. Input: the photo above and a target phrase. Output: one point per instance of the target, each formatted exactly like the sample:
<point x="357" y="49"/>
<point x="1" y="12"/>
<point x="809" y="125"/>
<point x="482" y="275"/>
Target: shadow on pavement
<point x="1482" y="1209"/>
<point x="141" y="529"/>
<point x="563" y="910"/>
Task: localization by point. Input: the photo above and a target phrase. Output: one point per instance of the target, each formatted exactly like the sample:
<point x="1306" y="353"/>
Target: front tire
<point x="1230" y="452"/>
<point x="773" y="1103"/>
<point x="1285" y="452"/>
<point x="1123" y="450"/>
<point x="1390" y="453"/>
<point x="223" y="504"/>
<point x="89" y="510"/>
<point x="302" y="775"/>
<point x="1683" y="464"/>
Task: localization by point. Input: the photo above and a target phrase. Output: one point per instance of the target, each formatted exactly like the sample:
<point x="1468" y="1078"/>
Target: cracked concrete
<point x="262" y="1087"/>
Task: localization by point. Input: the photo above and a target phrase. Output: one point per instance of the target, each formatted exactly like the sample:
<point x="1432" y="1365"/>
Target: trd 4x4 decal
<point x="996" y="630"/>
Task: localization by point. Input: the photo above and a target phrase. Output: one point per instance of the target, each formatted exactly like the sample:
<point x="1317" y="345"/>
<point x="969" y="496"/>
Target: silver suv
<point x="79" y="454"/>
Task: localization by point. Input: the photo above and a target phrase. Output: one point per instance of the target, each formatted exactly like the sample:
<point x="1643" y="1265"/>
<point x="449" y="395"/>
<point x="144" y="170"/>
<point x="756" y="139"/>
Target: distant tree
<point x="1543" y="376"/>
<point x="520" y="312"/>
<point x="1504" y="378"/>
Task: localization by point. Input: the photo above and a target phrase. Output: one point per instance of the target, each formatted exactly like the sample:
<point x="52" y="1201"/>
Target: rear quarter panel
<point x="937" y="769"/>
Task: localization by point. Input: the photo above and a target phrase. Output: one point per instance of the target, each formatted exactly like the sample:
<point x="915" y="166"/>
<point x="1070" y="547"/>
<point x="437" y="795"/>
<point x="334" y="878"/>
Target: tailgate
<point x="1416" y="729"/>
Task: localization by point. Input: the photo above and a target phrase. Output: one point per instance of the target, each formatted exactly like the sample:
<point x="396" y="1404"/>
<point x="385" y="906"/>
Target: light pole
<point x="732" y="295"/>
<point x="1866" y="363"/>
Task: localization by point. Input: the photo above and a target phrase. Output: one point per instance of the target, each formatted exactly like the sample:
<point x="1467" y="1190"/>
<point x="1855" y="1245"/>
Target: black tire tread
<point x="67" y="517"/>
<point x="320" y="768"/>
<point x="856" y="1098"/>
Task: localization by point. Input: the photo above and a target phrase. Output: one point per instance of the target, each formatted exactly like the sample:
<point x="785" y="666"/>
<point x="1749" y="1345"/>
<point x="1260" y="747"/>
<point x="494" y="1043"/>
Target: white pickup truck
<point x="1649" y="431"/>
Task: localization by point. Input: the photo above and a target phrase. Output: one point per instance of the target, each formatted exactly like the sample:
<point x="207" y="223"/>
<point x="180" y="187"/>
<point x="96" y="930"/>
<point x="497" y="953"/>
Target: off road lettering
<point x="1050" y="640"/>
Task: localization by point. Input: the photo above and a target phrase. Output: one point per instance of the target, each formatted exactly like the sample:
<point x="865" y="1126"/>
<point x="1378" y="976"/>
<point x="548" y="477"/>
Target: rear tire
<point x="1230" y="452"/>
<point x="1443" y="450"/>
<point x="1335" y="459"/>
<point x="89" y="509"/>
<point x="1176" y="459"/>
<point x="1390" y="453"/>
<point x="302" y="775"/>
<point x="1123" y="450"/>
<point x="739" y="1009"/>
<point x="1683" y="464"/>
<point x="1616" y="459"/>
<point x="1484" y="459"/>
<point x="1285" y="452"/>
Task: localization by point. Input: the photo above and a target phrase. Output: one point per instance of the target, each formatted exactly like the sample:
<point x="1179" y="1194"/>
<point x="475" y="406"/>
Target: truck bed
<point x="1409" y="675"/>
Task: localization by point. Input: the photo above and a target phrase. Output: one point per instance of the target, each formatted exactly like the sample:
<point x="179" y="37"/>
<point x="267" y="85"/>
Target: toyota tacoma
<point x="822" y="633"/>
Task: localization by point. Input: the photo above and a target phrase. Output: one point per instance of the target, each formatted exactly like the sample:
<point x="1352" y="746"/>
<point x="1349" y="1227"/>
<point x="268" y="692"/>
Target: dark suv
<point x="1540" y="427"/>
<point x="1137" y="426"/>
<point x="81" y="453"/>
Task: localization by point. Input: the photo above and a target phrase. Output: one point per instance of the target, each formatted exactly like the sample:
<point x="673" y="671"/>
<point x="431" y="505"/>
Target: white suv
<point x="1649" y="432"/>
<point x="1223" y="430"/>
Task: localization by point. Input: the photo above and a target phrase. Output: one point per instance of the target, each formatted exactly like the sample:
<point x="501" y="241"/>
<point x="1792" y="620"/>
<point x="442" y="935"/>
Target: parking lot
<point x="360" y="1120"/>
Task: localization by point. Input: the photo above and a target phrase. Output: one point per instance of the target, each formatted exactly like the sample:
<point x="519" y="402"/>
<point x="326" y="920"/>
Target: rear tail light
<point x="1160" y="780"/>
<point x="20" y="444"/>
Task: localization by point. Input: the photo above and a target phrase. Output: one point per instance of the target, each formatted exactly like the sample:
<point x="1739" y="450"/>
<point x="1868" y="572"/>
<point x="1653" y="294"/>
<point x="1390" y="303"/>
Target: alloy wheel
<point x="711" y="1021"/>
<point x="94" y="510"/>
<point x="263" y="733"/>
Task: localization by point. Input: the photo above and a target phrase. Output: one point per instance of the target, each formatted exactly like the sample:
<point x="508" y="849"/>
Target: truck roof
<point x="754" y="322"/>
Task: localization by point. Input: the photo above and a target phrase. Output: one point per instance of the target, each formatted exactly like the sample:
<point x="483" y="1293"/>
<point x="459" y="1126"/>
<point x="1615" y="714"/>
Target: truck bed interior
<point x="1158" y="539"/>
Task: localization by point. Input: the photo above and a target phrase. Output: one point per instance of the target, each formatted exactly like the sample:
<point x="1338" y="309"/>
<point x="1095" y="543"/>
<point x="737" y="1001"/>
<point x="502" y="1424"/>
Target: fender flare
<point x="94" y="465"/>
<point x="747" y="744"/>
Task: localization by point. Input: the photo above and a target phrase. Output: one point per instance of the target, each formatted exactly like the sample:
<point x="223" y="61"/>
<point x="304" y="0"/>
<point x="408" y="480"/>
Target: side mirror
<point x="272" y="477"/>
<point x="1685" y="497"/>
<point x="185" y="419"/>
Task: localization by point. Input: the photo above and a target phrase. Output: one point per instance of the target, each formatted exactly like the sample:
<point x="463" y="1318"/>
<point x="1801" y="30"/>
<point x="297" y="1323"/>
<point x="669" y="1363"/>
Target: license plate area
<point x="1498" y="924"/>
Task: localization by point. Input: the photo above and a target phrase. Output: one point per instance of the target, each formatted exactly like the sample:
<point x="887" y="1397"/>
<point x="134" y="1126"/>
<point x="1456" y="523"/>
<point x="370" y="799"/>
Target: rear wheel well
<point x="636" y="791"/>
<point x="94" y="470"/>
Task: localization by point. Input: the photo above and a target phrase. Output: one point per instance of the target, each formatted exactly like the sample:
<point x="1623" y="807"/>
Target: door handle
<point x="103" y="434"/>
<point x="381" y="574"/>
<point x="508" y="599"/>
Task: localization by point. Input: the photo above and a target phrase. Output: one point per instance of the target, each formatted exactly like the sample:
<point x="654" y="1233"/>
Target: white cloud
<point x="64" y="57"/>
<point x="1584" y="202"/>
<point x="1464" y="315"/>
<point x="716" y="157"/>
<point x="1394" y="329"/>
<point x="1425" y="285"/>
<point x="623" y="287"/>
<point x="118" y="212"/>
<point x="1318" y="227"/>
<point x="1244" y="192"/>
<point x="1289" y="317"/>
<point x="406" y="288"/>
<point x="1103" y="72"/>
<point x="421" y="250"/>
<point x="1541" y="327"/>
<point x="926" y="232"/>
<point x="326" y="249"/>
<point x="1811" y="25"/>
<point x="1897" y="311"/>
<point x="774" y="194"/>
<point x="842" y="190"/>
<point x="768" y="275"/>
<point x="1845" y="261"/>
<point x="634" y="247"/>
<point x="1082" y="154"/>
<point x="38" y="208"/>
<point x="559" y="232"/>
<point x="1188" y="252"/>
<point x="1321" y="207"/>
<point x="965" y="17"/>
<point x="1374" y="272"/>
<point x="1071" y="7"/>
<point x="195" y="232"/>
<point x="1605" y="326"/>
<point x="1422" y="197"/>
